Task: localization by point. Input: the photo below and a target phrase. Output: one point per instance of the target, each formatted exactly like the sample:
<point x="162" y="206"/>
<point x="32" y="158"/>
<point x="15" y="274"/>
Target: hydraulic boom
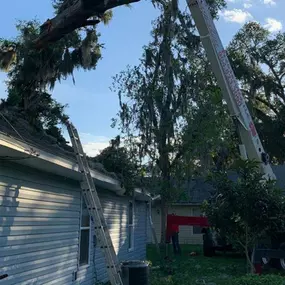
<point x="229" y="86"/>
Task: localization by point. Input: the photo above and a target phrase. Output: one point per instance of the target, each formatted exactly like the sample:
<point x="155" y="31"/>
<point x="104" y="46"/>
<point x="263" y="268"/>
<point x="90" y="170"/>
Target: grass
<point x="219" y="270"/>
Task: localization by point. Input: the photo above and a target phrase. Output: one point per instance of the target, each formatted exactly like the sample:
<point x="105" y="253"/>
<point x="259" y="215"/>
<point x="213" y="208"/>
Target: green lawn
<point x="219" y="270"/>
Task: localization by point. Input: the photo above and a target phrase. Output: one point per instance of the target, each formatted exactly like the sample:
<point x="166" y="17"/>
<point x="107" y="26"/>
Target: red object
<point x="258" y="268"/>
<point x="174" y="228"/>
<point x="173" y="223"/>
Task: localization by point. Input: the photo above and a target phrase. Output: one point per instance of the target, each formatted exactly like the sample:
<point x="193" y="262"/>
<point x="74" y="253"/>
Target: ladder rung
<point x="93" y="209"/>
<point x="100" y="227"/>
<point x="88" y="190"/>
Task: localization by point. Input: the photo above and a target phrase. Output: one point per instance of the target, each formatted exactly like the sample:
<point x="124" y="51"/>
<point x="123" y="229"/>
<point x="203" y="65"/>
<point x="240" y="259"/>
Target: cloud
<point x="247" y="5"/>
<point x="269" y="2"/>
<point x="92" y="145"/>
<point x="273" y="25"/>
<point x="236" y="16"/>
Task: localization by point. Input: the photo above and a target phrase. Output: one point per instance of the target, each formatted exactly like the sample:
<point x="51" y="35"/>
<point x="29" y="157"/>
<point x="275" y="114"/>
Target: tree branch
<point x="74" y="17"/>
<point x="266" y="103"/>
<point x="275" y="75"/>
<point x="90" y="23"/>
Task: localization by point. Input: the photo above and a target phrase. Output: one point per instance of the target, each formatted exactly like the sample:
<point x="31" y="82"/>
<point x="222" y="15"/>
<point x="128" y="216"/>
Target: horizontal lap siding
<point x="39" y="222"/>
<point x="116" y="215"/>
<point x="186" y="235"/>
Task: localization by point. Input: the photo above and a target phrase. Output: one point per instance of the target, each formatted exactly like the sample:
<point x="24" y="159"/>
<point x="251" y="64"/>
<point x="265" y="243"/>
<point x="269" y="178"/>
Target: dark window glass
<point x="84" y="247"/>
<point x="130" y="213"/>
<point x="131" y="226"/>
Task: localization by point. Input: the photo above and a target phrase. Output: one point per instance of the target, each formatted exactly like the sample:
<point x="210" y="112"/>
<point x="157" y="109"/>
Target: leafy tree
<point x="258" y="59"/>
<point x="245" y="210"/>
<point x="118" y="159"/>
<point x="162" y="111"/>
<point x="33" y="72"/>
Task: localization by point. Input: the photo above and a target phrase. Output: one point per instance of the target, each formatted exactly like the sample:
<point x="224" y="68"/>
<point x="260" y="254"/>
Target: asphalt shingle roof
<point x="197" y="190"/>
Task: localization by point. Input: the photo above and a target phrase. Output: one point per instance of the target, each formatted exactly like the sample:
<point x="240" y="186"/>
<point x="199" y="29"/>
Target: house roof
<point x="19" y="144"/>
<point x="197" y="190"/>
<point x="16" y="127"/>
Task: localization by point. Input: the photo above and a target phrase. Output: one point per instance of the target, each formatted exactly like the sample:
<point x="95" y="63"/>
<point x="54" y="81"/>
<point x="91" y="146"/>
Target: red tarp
<point x="184" y="221"/>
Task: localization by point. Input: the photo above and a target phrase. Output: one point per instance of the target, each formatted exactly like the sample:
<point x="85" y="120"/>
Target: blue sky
<point x="91" y="103"/>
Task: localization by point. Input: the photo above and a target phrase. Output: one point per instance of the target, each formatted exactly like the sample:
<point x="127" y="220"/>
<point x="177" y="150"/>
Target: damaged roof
<point x="14" y="126"/>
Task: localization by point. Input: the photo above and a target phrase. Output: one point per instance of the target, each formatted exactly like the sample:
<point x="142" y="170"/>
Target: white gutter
<point x="45" y="161"/>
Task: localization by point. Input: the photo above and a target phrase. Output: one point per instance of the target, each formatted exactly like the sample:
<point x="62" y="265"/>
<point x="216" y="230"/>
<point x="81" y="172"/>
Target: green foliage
<point x="186" y="269"/>
<point x="258" y="60"/>
<point x="31" y="72"/>
<point x="166" y="102"/>
<point x="259" y="280"/>
<point x="245" y="210"/>
<point x="200" y="270"/>
<point x="119" y="160"/>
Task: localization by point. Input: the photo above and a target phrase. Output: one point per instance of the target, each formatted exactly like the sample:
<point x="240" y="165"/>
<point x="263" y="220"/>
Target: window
<point x="84" y="236"/>
<point x="196" y="229"/>
<point x="131" y="226"/>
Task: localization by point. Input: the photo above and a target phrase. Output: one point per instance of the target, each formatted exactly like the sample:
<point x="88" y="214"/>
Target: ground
<point x="219" y="270"/>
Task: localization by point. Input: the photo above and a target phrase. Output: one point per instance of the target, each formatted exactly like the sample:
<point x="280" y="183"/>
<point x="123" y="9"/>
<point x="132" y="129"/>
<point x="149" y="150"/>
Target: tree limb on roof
<point x="75" y="16"/>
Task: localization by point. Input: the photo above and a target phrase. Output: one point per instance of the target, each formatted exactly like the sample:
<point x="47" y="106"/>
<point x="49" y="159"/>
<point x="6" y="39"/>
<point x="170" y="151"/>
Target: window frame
<point x="79" y="240"/>
<point x="131" y="238"/>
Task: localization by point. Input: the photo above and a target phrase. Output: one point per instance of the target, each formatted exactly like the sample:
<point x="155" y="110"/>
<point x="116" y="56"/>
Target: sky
<point x="91" y="104"/>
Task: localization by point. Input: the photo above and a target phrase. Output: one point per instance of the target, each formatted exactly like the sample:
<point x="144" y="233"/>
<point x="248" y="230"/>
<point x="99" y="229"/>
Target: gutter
<point x="48" y="162"/>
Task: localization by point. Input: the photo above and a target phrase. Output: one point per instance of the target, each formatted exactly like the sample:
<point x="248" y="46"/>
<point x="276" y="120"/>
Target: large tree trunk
<point x="165" y="187"/>
<point x="74" y="17"/>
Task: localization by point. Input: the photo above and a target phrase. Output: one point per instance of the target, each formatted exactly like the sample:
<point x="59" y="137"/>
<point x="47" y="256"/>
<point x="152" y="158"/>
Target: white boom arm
<point x="229" y="85"/>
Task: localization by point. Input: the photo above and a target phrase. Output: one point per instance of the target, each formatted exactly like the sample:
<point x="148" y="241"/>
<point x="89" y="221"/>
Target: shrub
<point x="259" y="280"/>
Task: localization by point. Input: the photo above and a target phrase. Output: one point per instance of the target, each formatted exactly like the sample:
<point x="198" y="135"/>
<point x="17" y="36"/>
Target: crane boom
<point x="228" y="83"/>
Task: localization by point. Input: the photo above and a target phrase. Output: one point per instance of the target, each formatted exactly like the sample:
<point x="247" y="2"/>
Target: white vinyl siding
<point x="39" y="236"/>
<point x="116" y="215"/>
<point x="40" y="226"/>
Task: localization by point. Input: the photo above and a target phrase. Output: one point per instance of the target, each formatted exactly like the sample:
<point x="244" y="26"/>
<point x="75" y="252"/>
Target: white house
<point x="45" y="231"/>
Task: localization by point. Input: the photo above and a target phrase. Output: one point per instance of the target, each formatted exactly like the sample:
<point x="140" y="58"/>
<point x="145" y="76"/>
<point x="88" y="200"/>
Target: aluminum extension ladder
<point x="95" y="209"/>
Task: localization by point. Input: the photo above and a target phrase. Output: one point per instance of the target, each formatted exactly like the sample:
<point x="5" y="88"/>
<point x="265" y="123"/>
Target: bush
<point x="259" y="280"/>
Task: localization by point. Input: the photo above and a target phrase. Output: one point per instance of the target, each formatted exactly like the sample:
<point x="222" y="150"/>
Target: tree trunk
<point x="163" y="211"/>
<point x="74" y="17"/>
<point x="165" y="187"/>
<point x="249" y="261"/>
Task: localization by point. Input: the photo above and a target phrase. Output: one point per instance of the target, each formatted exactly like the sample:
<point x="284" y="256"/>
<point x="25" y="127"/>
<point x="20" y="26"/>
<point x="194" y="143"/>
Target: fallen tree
<point x="75" y="14"/>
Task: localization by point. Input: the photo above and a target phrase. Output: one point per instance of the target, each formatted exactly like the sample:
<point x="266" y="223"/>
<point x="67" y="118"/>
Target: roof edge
<point x="34" y="157"/>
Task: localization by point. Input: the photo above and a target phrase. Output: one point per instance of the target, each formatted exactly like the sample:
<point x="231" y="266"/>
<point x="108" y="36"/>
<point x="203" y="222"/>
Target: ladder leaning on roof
<point x="95" y="209"/>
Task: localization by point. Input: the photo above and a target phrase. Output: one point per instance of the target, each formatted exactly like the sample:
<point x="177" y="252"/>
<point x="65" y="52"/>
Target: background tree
<point x="159" y="99"/>
<point x="245" y="210"/>
<point x="118" y="159"/>
<point x="258" y="59"/>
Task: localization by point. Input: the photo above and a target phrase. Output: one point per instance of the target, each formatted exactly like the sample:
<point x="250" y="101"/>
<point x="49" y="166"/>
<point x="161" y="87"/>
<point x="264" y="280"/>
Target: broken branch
<point x="74" y="17"/>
